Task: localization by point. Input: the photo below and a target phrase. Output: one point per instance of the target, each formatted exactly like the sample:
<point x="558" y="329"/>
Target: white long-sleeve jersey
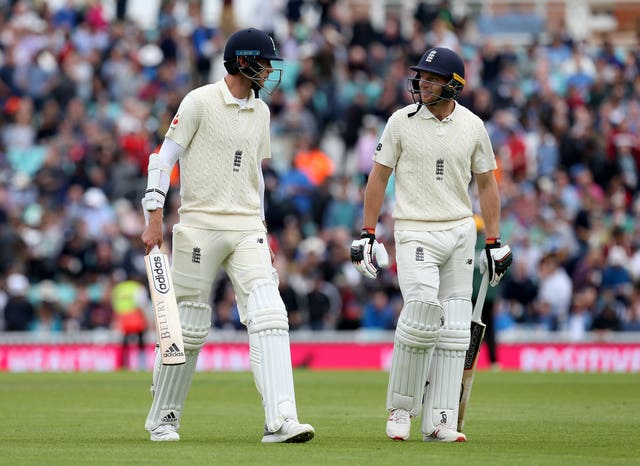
<point x="220" y="170"/>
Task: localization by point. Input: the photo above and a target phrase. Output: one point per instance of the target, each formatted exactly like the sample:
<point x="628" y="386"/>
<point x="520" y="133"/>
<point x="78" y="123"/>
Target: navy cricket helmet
<point x="250" y="42"/>
<point x="253" y="44"/>
<point x="444" y="62"/>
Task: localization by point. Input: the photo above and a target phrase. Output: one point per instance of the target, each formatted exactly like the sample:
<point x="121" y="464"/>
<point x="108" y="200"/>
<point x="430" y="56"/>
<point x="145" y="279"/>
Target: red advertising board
<point x="527" y="357"/>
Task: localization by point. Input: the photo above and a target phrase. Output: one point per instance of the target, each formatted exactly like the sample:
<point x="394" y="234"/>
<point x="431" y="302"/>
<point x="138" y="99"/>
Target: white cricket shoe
<point x="399" y="424"/>
<point x="442" y="433"/>
<point x="290" y="432"/>
<point x="165" y="433"/>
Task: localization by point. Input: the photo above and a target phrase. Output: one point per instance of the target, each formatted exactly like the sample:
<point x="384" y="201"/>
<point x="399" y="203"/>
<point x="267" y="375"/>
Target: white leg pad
<point x="270" y="354"/>
<point x="417" y="332"/>
<point x="442" y="394"/>
<point x="171" y="383"/>
<point x="157" y="362"/>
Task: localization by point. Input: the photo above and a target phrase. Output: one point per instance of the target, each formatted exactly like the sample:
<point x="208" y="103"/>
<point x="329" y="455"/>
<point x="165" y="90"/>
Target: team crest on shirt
<point x="237" y="160"/>
<point x="439" y="169"/>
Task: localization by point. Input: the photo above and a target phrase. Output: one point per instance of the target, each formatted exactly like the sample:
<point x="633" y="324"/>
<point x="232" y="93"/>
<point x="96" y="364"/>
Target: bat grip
<point x="155" y="250"/>
<point x="482" y="294"/>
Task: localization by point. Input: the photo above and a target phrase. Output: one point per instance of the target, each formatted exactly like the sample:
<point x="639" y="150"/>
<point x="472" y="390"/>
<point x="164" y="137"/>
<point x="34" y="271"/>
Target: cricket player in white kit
<point x="220" y="134"/>
<point x="434" y="146"/>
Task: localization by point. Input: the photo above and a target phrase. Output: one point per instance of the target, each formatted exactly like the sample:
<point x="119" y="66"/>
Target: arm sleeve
<point x="261" y="190"/>
<point x="170" y="152"/>
<point x="483" y="159"/>
<point x="186" y="121"/>
<point x="388" y="148"/>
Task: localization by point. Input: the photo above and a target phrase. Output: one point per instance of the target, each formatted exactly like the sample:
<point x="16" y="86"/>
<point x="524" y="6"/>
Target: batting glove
<point x="496" y="260"/>
<point x="365" y="250"/>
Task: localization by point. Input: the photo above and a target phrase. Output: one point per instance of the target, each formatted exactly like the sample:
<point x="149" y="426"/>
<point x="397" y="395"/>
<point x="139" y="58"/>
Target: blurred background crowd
<point x="88" y="89"/>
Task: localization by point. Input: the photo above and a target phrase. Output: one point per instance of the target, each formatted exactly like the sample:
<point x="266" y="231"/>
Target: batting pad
<point x="442" y="394"/>
<point x="417" y="332"/>
<point x="171" y="383"/>
<point x="270" y="354"/>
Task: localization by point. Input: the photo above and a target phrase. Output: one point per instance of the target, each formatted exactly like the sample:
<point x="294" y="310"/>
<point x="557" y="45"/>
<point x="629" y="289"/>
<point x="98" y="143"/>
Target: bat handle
<point x="155" y="250"/>
<point x="482" y="293"/>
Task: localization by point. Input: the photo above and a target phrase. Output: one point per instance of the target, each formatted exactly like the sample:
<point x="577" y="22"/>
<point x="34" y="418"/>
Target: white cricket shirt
<point x="433" y="162"/>
<point x="224" y="144"/>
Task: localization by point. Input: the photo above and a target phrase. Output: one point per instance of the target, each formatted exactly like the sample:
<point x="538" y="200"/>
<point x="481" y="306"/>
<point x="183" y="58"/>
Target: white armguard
<point x="261" y="190"/>
<point x="158" y="181"/>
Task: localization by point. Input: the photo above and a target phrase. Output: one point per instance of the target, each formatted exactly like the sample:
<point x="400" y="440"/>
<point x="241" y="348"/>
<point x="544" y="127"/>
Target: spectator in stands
<point x="129" y="300"/>
<point x="225" y="309"/>
<point x="379" y="313"/>
<point x="554" y="294"/>
<point x="18" y="311"/>
<point x="48" y="314"/>
<point x="616" y="278"/>
<point x="323" y="303"/>
<point x="607" y="319"/>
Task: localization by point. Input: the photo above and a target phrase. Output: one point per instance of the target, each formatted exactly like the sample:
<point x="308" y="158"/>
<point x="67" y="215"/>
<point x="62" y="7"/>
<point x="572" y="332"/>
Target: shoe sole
<point x="397" y="438"/>
<point x="435" y="439"/>
<point x="301" y="437"/>
<point x="165" y="439"/>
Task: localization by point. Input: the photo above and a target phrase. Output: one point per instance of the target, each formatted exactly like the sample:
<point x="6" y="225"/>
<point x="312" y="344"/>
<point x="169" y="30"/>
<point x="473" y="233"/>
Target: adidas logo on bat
<point x="173" y="350"/>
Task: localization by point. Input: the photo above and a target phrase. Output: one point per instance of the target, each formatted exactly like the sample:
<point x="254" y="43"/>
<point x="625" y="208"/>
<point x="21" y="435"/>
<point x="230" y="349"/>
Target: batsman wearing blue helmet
<point x="220" y="135"/>
<point x="435" y="146"/>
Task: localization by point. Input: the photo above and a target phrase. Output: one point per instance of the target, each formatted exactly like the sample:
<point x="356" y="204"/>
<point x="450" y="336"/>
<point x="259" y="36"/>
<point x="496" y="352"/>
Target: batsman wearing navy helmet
<point x="435" y="146"/>
<point x="220" y="134"/>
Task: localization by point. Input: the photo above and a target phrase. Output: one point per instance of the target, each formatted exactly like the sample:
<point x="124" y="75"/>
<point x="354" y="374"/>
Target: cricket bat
<point x="165" y="308"/>
<point x="471" y="358"/>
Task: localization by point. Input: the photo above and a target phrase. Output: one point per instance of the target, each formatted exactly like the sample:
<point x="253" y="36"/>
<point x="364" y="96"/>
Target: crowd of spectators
<point x="85" y="98"/>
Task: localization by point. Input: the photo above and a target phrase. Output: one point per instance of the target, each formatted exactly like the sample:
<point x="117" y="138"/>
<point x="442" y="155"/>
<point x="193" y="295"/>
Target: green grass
<point x="513" y="419"/>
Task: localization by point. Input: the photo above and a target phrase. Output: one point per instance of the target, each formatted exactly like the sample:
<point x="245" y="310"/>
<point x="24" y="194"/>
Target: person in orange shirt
<point x="312" y="161"/>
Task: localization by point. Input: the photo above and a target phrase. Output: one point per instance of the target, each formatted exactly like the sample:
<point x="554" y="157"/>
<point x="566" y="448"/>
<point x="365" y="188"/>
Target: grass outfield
<point x="513" y="419"/>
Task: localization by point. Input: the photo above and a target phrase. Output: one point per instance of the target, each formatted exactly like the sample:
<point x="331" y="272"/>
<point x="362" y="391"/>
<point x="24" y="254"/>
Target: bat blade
<point x="470" y="361"/>
<point x="471" y="358"/>
<point x="165" y="308"/>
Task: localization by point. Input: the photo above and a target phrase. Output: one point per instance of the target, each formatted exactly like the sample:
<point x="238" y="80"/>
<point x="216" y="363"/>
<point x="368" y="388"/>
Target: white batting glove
<point x="496" y="260"/>
<point x="365" y="251"/>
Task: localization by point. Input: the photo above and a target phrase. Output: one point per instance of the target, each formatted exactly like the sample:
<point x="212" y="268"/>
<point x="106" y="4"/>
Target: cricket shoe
<point x="165" y="433"/>
<point x="399" y="424"/>
<point x="290" y="432"/>
<point x="442" y="433"/>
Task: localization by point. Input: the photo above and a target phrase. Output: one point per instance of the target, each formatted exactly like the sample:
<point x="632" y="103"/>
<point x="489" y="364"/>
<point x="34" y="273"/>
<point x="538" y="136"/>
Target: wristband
<point x="369" y="231"/>
<point x="493" y="240"/>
